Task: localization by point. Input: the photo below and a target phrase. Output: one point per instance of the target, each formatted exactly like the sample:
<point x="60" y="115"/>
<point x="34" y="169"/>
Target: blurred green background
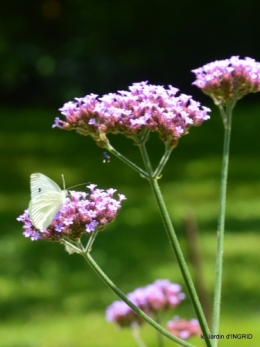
<point x="52" y="52"/>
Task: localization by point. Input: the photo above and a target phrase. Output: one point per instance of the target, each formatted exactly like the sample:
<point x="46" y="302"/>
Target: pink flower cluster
<point x="228" y="80"/>
<point x="144" y="106"/>
<point x="160" y="295"/>
<point x="183" y="328"/>
<point x="81" y="214"/>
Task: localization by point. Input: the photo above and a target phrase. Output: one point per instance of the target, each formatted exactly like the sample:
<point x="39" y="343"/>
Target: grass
<point x="48" y="298"/>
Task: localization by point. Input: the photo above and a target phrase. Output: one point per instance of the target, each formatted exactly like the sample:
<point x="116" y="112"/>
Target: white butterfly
<point x="46" y="200"/>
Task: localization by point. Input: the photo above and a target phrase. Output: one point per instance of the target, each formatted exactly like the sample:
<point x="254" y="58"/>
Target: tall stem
<point x="139" y="312"/>
<point x="227" y="119"/>
<point x="175" y="244"/>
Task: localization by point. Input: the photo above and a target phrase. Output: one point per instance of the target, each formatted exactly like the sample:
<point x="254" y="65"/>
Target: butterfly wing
<point x="43" y="209"/>
<point x="41" y="184"/>
<point x="47" y="199"/>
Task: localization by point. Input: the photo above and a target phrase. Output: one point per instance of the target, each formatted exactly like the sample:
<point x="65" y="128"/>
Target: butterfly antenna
<point x="80" y="184"/>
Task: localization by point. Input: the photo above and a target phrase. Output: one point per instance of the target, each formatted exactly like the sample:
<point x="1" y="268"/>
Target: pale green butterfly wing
<point x="41" y="184"/>
<point x="47" y="199"/>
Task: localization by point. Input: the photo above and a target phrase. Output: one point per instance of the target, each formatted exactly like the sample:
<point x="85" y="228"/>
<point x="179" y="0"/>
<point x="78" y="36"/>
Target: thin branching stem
<point x="139" y="312"/>
<point x="128" y="162"/>
<point x="162" y="162"/>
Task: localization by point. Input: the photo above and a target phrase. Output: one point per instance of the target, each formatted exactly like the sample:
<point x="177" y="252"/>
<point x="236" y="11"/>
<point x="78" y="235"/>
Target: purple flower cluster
<point x="228" y="80"/>
<point x="144" y="106"/>
<point x="183" y="328"/>
<point x="81" y="214"/>
<point x="160" y="295"/>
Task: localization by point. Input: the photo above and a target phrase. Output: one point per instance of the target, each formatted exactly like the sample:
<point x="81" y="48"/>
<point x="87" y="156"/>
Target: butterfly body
<point x="46" y="200"/>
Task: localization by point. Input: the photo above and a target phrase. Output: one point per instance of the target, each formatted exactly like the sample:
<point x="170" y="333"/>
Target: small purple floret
<point x="81" y="214"/>
<point x="158" y="296"/>
<point x="184" y="329"/>
<point x="144" y="106"/>
<point x="228" y="80"/>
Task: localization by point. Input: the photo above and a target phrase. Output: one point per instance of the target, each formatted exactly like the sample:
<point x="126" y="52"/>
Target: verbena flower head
<point x="144" y="106"/>
<point x="183" y="328"/>
<point x="160" y="295"/>
<point x="81" y="214"/>
<point x="227" y="81"/>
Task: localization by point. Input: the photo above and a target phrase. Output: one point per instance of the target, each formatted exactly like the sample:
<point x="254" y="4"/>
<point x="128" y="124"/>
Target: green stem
<point x="135" y="329"/>
<point x="227" y="119"/>
<point x="139" y="312"/>
<point x="90" y="242"/>
<point x="162" y="163"/>
<point x="159" y="336"/>
<point x="128" y="162"/>
<point x="175" y="245"/>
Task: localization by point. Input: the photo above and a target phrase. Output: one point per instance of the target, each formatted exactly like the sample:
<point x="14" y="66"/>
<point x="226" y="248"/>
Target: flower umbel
<point x="81" y="214"/>
<point x="183" y="328"/>
<point x="158" y="296"/>
<point x="144" y="106"/>
<point x="228" y="80"/>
